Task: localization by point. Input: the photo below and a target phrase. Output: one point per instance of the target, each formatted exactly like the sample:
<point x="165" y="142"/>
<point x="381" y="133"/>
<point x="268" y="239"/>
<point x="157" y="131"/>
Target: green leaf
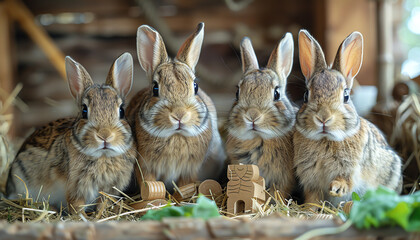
<point x="400" y="214"/>
<point x="384" y="207"/>
<point x="204" y="208"/>
<point x="158" y="214"/>
<point x="188" y="210"/>
<point x="370" y="221"/>
<point x="355" y="196"/>
<point x="414" y="220"/>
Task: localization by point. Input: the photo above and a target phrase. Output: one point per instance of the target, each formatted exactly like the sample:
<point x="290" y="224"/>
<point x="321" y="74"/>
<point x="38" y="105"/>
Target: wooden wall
<point x="99" y="42"/>
<point x="112" y="28"/>
<point x="6" y="61"/>
<point x="342" y="18"/>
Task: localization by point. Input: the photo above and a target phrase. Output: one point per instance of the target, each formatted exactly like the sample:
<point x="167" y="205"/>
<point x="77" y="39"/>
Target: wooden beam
<point x="383" y="113"/>
<point x="320" y="23"/>
<point x="20" y="13"/>
<point x="6" y="82"/>
<point x="189" y="228"/>
<point x="385" y="56"/>
<point x="6" y="62"/>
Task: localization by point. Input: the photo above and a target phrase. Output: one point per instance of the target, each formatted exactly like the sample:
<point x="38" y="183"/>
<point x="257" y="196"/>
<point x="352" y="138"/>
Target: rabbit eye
<point x="84" y="111"/>
<point x="305" y="96"/>
<point x="276" y="94"/>
<point x="346" y="95"/>
<point x="122" y="113"/>
<point x="195" y="88"/>
<point x="237" y="93"/>
<point x="155" y="89"/>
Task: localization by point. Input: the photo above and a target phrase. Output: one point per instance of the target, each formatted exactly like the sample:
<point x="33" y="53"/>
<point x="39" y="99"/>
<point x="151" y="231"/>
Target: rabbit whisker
<point x="200" y="135"/>
<point x="143" y="160"/>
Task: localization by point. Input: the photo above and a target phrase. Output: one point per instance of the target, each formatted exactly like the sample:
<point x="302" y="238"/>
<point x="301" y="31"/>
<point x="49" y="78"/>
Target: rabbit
<point x="174" y="121"/>
<point x="70" y="160"/>
<point x="261" y="122"/>
<point x="338" y="152"/>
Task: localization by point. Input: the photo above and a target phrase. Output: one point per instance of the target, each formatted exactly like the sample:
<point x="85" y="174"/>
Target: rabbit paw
<point x="338" y="188"/>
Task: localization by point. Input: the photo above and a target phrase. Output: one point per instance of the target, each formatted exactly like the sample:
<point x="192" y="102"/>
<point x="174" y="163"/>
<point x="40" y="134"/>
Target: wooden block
<point x="148" y="204"/>
<point x="185" y="192"/>
<point x="245" y="184"/>
<point x="260" y="181"/>
<point x="246" y="172"/>
<point x="151" y="190"/>
<point x="210" y="188"/>
<point x="259" y="192"/>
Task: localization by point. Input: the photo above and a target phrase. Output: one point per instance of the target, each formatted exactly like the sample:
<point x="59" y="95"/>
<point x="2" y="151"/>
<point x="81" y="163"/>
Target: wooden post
<point x="6" y="60"/>
<point x="19" y="12"/>
<point x="6" y="67"/>
<point x="383" y="113"/>
<point x="385" y="56"/>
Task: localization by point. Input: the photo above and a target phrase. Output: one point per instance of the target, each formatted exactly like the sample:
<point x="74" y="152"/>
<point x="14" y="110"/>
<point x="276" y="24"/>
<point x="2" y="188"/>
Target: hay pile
<point x="6" y="117"/>
<point x="406" y="139"/>
<point x="119" y="208"/>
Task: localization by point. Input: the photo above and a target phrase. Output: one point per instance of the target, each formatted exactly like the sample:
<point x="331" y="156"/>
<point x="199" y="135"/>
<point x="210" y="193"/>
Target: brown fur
<point x="180" y="154"/>
<point x="336" y="151"/>
<point x="269" y="145"/>
<point x="273" y="157"/>
<point x="66" y="161"/>
<point x="176" y="131"/>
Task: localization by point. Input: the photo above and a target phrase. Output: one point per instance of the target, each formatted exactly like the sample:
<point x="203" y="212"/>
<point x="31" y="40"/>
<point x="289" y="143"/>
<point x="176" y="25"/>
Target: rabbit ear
<point x="151" y="50"/>
<point x="349" y="57"/>
<point x="249" y="59"/>
<point x="281" y="59"/>
<point x="120" y="75"/>
<point x="311" y="56"/>
<point x="78" y="78"/>
<point x="189" y="52"/>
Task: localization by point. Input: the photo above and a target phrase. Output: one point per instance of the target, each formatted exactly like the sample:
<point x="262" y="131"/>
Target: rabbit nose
<point x="323" y="119"/>
<point x="253" y="114"/>
<point x="105" y="135"/>
<point x="179" y="115"/>
<point x="323" y="116"/>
